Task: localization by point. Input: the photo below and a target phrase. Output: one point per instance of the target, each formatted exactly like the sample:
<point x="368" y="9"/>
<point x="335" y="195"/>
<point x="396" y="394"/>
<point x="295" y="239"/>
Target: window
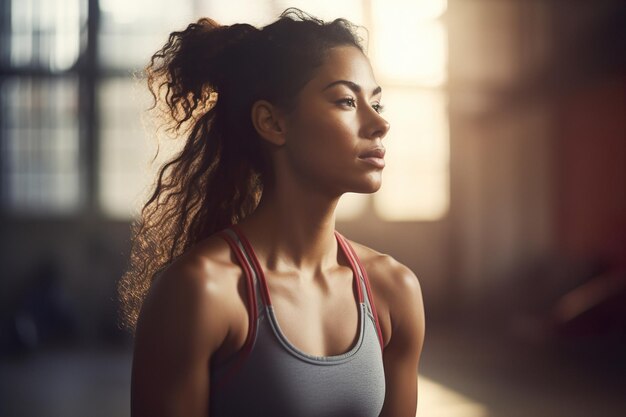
<point x="129" y="33"/>
<point x="410" y="54"/>
<point x="72" y="113"/>
<point x="40" y="166"/>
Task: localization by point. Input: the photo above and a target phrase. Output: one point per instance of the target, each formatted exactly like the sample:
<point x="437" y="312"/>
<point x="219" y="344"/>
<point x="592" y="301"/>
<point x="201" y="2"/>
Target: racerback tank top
<point x="271" y="377"/>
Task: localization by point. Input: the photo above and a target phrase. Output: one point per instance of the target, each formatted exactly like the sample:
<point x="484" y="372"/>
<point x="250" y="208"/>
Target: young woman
<point x="244" y="299"/>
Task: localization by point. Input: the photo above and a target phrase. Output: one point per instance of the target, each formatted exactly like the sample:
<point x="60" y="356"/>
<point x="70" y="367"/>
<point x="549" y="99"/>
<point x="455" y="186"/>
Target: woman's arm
<point x="402" y="353"/>
<point x="179" y="328"/>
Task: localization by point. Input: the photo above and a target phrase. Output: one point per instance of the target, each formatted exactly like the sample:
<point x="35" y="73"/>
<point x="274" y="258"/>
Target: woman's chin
<point x="369" y="187"/>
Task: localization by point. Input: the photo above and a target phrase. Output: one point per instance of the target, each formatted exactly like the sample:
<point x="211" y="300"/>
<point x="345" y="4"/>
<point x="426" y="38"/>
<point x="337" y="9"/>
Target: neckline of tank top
<point x="277" y="330"/>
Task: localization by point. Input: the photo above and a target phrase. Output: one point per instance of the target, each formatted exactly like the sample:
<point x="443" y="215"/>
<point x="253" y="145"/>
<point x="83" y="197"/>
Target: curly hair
<point x="205" y="79"/>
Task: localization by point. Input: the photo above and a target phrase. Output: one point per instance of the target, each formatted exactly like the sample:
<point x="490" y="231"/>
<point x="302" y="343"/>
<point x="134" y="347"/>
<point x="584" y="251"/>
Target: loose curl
<point x="205" y="80"/>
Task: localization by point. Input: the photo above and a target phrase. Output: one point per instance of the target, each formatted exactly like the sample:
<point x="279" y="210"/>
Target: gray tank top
<point x="271" y="377"/>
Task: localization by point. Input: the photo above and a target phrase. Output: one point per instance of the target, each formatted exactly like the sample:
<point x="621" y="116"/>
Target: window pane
<point x="256" y="13"/>
<point x="327" y="9"/>
<point x="131" y="31"/>
<point x="127" y="146"/>
<point x="44" y="33"/>
<point x="416" y="11"/>
<point x="415" y="179"/>
<point x="40" y="157"/>
<point x="352" y="205"/>
<point x="123" y="149"/>
<point x="408" y="36"/>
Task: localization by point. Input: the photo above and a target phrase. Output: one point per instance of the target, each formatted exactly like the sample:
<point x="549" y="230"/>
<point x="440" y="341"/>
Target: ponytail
<point x="202" y="189"/>
<point x="188" y="67"/>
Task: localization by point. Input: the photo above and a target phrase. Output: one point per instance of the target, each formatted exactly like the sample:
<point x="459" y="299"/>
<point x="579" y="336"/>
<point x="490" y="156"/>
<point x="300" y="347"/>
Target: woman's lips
<point x="374" y="157"/>
<point x="377" y="162"/>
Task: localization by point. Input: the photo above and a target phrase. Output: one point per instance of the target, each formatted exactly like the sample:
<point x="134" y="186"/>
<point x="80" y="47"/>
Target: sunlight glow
<point x="256" y="13"/>
<point x="126" y="11"/>
<point x="415" y="179"/>
<point x="45" y="33"/>
<point x="410" y="44"/>
<point x="327" y="10"/>
<point x="436" y="400"/>
<point x="351" y="205"/>
<point x="129" y="142"/>
<point x="412" y="9"/>
<point x="411" y="53"/>
<point x="410" y="57"/>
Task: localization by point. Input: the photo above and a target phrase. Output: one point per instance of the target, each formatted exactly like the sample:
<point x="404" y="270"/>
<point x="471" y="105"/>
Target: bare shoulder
<point x="386" y="273"/>
<point x="396" y="288"/>
<point x="202" y="270"/>
<point x="209" y="261"/>
<point x="192" y="294"/>
<point x="182" y="323"/>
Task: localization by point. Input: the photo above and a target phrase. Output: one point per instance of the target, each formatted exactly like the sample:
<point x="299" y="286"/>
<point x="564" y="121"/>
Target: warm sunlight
<point x="436" y="400"/>
<point x="60" y="20"/>
<point x="352" y="10"/>
<point x="410" y="47"/>
<point x="351" y="205"/>
<point x="127" y="11"/>
<point x="415" y="180"/>
<point x="417" y="10"/>
<point x="410" y="56"/>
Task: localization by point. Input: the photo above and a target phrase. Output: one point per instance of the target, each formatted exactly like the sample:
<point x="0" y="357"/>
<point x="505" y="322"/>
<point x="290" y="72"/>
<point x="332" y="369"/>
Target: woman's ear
<point x="269" y="122"/>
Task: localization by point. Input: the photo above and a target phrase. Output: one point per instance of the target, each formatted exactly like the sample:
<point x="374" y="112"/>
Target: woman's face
<point x="335" y="123"/>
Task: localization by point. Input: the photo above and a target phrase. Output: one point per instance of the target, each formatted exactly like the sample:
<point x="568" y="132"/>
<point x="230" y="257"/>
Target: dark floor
<point x="462" y="374"/>
<point x="503" y="377"/>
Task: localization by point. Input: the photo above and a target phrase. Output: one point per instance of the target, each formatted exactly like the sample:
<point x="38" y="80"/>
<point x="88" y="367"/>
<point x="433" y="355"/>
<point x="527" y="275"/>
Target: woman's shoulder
<point x="206" y="262"/>
<point x="383" y="268"/>
<point x="200" y="283"/>
<point x="193" y="302"/>
<point x="395" y="287"/>
<point x="184" y="322"/>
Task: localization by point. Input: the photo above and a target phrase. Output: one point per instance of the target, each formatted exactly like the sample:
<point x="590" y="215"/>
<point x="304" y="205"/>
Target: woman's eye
<point x="349" y="101"/>
<point x="379" y="108"/>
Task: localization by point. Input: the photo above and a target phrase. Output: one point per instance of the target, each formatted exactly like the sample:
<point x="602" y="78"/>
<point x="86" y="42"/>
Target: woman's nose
<point x="379" y="127"/>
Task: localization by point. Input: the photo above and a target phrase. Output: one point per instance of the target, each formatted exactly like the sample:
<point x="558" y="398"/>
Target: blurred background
<point x="504" y="191"/>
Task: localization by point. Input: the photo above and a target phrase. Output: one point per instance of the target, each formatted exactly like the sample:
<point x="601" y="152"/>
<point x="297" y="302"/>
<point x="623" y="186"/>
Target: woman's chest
<point x="317" y="321"/>
<point x="274" y="378"/>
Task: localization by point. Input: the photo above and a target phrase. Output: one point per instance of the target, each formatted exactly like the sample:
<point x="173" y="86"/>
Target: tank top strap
<point x="364" y="280"/>
<point x="245" y="260"/>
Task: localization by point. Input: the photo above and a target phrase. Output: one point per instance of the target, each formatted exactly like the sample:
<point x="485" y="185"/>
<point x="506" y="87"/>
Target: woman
<point x="258" y="305"/>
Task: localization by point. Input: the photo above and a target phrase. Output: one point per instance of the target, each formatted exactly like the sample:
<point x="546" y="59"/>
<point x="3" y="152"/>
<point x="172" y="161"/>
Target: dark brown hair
<point x="207" y="77"/>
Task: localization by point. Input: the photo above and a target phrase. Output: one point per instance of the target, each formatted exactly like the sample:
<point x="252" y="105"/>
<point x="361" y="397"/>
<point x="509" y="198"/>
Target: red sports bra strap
<point x="355" y="270"/>
<point x="367" y="288"/>
<point x="252" y="314"/>
<point x="255" y="263"/>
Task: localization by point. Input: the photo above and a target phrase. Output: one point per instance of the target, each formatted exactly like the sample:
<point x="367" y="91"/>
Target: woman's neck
<point x="293" y="231"/>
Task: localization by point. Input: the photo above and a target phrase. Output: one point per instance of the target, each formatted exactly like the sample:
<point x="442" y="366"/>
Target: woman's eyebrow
<point x="352" y="86"/>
